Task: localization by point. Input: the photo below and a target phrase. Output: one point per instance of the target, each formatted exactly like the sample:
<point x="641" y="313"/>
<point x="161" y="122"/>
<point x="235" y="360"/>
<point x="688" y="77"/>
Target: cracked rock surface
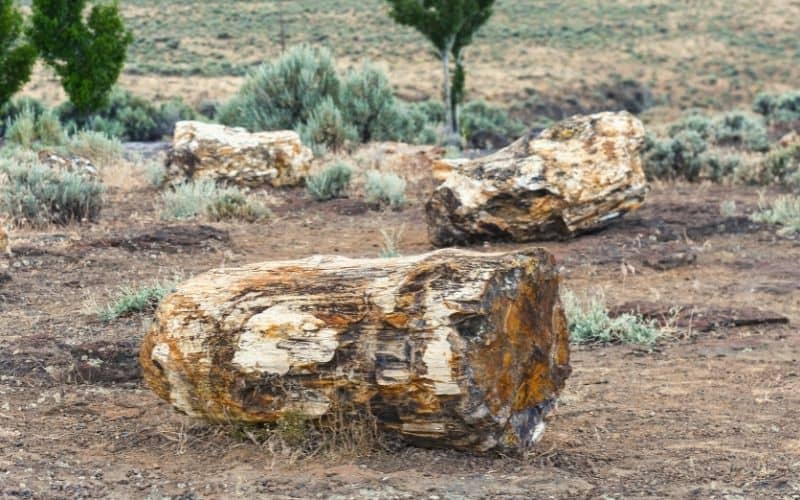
<point x="449" y="349"/>
<point x="577" y="176"/>
<point x="210" y="151"/>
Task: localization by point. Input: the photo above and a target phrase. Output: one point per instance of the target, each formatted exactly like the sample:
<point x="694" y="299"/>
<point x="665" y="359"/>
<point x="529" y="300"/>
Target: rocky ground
<point x="710" y="412"/>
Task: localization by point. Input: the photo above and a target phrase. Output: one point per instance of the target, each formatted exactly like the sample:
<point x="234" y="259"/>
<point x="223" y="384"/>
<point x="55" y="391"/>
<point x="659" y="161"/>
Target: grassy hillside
<point x="689" y="53"/>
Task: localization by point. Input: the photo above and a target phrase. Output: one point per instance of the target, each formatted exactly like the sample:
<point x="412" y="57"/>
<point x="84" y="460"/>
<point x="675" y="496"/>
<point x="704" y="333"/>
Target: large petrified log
<point x="209" y="151"/>
<point x="576" y="176"/>
<point x="453" y="348"/>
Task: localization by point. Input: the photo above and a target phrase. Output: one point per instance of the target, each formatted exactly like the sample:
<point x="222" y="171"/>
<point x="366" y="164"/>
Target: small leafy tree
<point x="88" y="56"/>
<point x="450" y="26"/>
<point x="16" y="55"/>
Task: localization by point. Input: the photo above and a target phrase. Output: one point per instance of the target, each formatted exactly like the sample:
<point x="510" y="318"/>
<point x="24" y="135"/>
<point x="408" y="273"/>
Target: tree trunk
<point x="448" y="108"/>
<point x="449" y="349"/>
<point x="458" y="90"/>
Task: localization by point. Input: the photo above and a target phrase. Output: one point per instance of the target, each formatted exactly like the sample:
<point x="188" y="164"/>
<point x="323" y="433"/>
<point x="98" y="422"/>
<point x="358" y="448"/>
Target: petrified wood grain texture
<point x="209" y="151"/>
<point x="576" y="176"/>
<point x="453" y="348"/>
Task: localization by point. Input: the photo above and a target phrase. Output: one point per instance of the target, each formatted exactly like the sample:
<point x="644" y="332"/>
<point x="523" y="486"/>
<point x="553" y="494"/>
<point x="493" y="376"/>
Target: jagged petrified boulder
<point x="209" y="151"/>
<point x="452" y="349"/>
<point x="576" y="176"/>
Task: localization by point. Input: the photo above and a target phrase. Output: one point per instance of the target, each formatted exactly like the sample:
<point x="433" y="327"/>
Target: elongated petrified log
<point x="453" y="348"/>
<point x="233" y="155"/>
<point x="576" y="176"/>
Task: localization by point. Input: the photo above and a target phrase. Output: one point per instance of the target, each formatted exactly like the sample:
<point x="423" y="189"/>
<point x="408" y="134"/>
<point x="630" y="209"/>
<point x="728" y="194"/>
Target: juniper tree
<point x="16" y="54"/>
<point x="87" y="55"/>
<point x="450" y="26"/>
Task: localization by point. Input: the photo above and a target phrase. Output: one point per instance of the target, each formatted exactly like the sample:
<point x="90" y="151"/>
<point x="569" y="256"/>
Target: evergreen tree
<point x="16" y="54"/>
<point x="88" y="56"/>
<point x="449" y="25"/>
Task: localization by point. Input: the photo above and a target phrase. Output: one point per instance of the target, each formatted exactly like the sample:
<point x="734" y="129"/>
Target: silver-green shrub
<point x="327" y="127"/>
<point x="283" y="94"/>
<point x="330" y="183"/>
<point x="21" y="129"/>
<point x="589" y="321"/>
<point x="778" y="108"/>
<point x="37" y="195"/>
<point x="205" y="198"/>
<point x="675" y="157"/>
<point x="783" y="211"/>
<point x="741" y="130"/>
<point x="386" y="188"/>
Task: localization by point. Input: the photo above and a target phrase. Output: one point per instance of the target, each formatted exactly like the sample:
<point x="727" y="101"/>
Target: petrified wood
<point x="453" y="348"/>
<point x="577" y="176"/>
<point x="233" y="155"/>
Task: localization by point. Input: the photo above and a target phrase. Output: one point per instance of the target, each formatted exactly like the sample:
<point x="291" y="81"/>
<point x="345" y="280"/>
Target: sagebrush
<point x="385" y="188"/>
<point x="589" y="321"/>
<point x="36" y="194"/>
<point x="330" y="183"/>
<point x="205" y="198"/>
<point x="130" y="300"/>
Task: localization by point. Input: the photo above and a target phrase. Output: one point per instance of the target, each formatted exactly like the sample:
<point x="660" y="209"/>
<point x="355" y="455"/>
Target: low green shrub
<point x="230" y="203"/>
<point x="21" y="129"/>
<point x="588" y="321"/>
<point x="132" y="300"/>
<point x="12" y="109"/>
<point x="97" y="147"/>
<point x="676" y="157"/>
<point x="740" y="130"/>
<point x="717" y="166"/>
<point x="129" y="118"/>
<point x="187" y="199"/>
<point x="327" y="127"/>
<point x="391" y="242"/>
<point x="410" y="124"/>
<point x="728" y="208"/>
<point x="302" y="91"/>
<point x="701" y="147"/>
<point x="480" y="117"/>
<point x="330" y="183"/>
<point x="432" y="111"/>
<point x="783" y="211"/>
<point x="386" y="188"/>
<point x="283" y="94"/>
<point x="205" y="198"/>
<point x="49" y="130"/>
<point x="703" y="125"/>
<point x="156" y="173"/>
<point x="37" y="195"/>
<point x="778" y="108"/>
<point x="780" y="167"/>
<point x="367" y="101"/>
<point x="32" y="127"/>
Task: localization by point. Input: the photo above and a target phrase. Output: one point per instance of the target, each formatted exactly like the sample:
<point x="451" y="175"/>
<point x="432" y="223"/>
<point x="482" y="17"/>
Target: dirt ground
<point x="701" y="415"/>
